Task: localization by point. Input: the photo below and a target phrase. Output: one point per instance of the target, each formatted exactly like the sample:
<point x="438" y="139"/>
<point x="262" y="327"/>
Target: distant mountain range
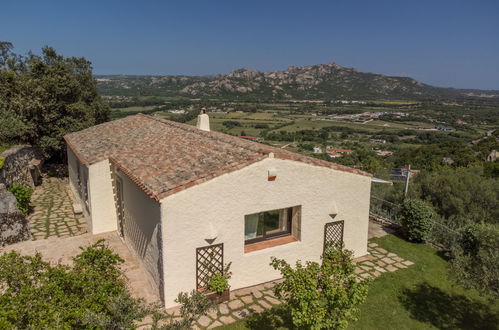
<point x="312" y="82"/>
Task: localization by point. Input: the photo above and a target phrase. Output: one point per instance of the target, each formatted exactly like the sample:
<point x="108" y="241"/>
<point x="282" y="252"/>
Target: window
<point x="269" y="224"/>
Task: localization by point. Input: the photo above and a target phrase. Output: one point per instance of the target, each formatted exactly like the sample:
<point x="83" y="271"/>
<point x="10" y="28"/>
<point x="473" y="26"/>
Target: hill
<point x="313" y="82"/>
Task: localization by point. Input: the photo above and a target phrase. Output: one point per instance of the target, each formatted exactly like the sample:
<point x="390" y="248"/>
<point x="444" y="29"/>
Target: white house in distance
<point x="174" y="192"/>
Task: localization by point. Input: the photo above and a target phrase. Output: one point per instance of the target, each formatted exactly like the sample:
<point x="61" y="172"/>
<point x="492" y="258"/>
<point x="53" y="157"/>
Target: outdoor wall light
<point x="333" y="210"/>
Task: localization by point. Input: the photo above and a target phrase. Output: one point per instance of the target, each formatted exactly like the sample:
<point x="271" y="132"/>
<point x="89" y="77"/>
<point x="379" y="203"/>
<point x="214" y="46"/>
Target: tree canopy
<point x="44" y="97"/>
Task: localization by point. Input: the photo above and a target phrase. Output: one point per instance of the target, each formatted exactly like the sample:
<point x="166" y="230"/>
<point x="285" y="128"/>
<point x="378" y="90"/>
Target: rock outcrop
<point x="21" y="165"/>
<point x="14" y="225"/>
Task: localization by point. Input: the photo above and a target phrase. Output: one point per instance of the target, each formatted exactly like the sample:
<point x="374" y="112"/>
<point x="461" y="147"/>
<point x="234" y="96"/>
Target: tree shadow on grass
<point x="278" y="317"/>
<point x="429" y="304"/>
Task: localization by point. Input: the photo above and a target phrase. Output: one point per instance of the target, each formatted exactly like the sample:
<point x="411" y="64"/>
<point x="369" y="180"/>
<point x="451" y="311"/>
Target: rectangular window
<point x="267" y="225"/>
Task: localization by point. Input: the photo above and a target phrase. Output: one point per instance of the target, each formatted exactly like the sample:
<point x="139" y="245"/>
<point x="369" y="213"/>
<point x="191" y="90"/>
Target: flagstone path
<point x="52" y="214"/>
<point x="259" y="298"/>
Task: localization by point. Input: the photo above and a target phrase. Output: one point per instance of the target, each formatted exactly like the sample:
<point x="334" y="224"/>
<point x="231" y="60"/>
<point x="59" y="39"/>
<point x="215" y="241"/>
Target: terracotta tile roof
<point x="164" y="157"/>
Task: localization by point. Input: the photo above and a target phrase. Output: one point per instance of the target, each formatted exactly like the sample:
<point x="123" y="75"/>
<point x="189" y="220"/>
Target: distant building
<point x="377" y="141"/>
<point x="493" y="156"/>
<point x="317" y="150"/>
<point x="340" y="151"/>
<point x="384" y="153"/>
<point x="177" y="111"/>
<point x="444" y="128"/>
<point x="401" y="173"/>
<point x="447" y="161"/>
<point x="333" y="154"/>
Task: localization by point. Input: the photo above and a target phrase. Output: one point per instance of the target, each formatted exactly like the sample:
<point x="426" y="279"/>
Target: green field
<point x="419" y="297"/>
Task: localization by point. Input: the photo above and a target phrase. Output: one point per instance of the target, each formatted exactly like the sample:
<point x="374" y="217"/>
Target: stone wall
<point x="21" y="166"/>
<point x="14" y="225"/>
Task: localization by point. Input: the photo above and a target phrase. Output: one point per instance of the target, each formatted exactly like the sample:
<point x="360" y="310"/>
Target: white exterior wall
<point x="142" y="228"/>
<point x="217" y="208"/>
<point x="75" y="166"/>
<point x="101" y="195"/>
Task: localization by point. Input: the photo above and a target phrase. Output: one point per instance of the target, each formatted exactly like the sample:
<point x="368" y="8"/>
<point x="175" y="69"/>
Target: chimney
<point x="203" y="120"/>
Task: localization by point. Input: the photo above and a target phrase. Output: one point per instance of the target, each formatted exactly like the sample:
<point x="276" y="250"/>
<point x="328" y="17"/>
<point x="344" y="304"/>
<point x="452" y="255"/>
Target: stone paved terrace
<point x="61" y="250"/>
<point x="261" y="297"/>
<point x="52" y="214"/>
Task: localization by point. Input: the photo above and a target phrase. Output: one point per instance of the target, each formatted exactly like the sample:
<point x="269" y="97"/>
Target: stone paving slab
<point x="259" y="298"/>
<point x="52" y="211"/>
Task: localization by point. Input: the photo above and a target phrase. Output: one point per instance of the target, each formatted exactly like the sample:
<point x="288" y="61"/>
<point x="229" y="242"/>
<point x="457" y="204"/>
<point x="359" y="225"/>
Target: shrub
<point x="2" y="161"/>
<point x="90" y="294"/>
<point x="321" y="296"/>
<point x="23" y="196"/>
<point x="218" y="283"/>
<point x="417" y="219"/>
<point x="193" y="306"/>
<point x="475" y="261"/>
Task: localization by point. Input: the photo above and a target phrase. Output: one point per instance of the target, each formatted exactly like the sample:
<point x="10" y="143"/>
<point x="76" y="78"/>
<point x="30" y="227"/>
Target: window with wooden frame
<point x="267" y="225"/>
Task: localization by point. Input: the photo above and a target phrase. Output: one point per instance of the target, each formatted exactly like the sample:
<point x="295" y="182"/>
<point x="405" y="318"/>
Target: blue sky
<point x="440" y="42"/>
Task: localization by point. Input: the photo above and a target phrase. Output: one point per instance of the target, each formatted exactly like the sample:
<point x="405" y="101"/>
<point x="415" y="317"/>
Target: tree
<point x="462" y="196"/>
<point x="475" y="260"/>
<point x="417" y="219"/>
<point x="321" y="296"/>
<point x="90" y="294"/>
<point x="42" y="98"/>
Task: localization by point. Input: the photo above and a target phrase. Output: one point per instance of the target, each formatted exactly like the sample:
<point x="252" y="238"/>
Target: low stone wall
<point x="14" y="225"/>
<point x="21" y="165"/>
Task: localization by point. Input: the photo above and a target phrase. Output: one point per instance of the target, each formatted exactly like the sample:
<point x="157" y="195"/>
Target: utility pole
<point x="407" y="178"/>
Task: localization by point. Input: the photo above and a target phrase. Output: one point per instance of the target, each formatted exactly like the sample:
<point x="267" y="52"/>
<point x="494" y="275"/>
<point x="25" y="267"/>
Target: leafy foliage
<point x="45" y="97"/>
<point x="475" y="261"/>
<point x="417" y="218"/>
<point x="219" y="282"/>
<point x="193" y="305"/>
<point x="23" y="196"/>
<point x="321" y="296"/>
<point x="462" y="196"/>
<point x="90" y="294"/>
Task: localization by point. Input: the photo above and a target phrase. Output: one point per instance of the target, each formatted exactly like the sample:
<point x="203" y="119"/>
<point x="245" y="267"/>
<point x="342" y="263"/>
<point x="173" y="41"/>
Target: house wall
<point x="101" y="196"/>
<point x="142" y="229"/>
<point x="217" y="208"/>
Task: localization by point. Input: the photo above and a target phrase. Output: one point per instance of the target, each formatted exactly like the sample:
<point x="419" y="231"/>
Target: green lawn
<point x="419" y="297"/>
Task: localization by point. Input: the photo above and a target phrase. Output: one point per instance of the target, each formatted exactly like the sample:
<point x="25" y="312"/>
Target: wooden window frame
<point x="268" y="237"/>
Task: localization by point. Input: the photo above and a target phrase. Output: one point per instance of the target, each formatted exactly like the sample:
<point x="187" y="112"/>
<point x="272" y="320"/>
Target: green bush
<point x="321" y="296"/>
<point x="91" y="294"/>
<point x="23" y="196"/>
<point x="2" y="161"/>
<point x="475" y="261"/>
<point x="417" y="219"/>
<point x="218" y="283"/>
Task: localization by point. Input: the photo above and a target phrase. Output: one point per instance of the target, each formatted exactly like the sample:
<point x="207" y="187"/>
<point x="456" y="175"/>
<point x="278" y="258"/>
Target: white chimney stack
<point x="203" y="121"/>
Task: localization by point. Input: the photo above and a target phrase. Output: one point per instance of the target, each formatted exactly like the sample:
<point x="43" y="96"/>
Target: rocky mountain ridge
<point x="322" y="81"/>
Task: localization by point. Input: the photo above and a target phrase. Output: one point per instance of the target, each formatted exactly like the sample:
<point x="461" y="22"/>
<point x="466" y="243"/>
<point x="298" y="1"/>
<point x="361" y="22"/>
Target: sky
<point x="439" y="42"/>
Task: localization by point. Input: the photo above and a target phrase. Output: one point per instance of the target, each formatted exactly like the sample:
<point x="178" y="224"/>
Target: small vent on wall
<point x="272" y="175"/>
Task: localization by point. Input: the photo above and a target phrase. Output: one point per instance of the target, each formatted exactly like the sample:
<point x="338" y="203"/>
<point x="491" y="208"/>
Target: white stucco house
<point x="172" y="191"/>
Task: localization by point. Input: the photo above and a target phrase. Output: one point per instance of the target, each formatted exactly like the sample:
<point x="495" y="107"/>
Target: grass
<point x="419" y="297"/>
